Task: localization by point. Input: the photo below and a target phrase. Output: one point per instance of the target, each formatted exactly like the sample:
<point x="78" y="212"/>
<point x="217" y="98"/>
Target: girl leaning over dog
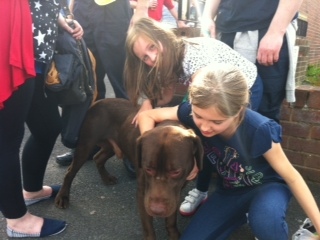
<point x="157" y="60"/>
<point x="254" y="175"/>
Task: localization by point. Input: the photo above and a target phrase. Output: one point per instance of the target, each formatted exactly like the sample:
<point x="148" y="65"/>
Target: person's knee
<point x="269" y="225"/>
<point x="268" y="210"/>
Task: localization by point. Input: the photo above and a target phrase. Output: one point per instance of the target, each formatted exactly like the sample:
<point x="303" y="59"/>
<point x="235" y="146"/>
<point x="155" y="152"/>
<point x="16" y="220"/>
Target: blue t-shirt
<point x="239" y="160"/>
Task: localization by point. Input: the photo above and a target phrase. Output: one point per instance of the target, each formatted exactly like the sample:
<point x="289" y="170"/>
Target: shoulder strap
<point x="66" y="10"/>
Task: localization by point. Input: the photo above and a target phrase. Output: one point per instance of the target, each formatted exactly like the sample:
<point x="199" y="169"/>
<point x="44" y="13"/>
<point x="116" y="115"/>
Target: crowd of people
<point x="237" y="75"/>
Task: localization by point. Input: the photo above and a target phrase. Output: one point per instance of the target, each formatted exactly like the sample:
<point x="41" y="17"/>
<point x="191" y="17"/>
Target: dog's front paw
<point x="61" y="201"/>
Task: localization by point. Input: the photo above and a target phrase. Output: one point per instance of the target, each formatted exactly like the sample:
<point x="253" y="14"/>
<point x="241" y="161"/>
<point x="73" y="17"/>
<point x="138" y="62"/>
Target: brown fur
<point x="163" y="159"/>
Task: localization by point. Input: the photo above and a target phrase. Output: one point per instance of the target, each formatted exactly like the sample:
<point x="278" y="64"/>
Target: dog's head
<point x="167" y="157"/>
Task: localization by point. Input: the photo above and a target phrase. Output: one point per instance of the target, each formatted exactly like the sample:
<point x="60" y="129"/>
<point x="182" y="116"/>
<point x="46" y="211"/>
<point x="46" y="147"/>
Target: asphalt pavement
<point x="100" y="212"/>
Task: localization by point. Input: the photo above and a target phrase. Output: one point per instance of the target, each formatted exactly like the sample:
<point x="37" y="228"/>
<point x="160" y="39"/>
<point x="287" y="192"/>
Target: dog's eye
<point x="175" y="173"/>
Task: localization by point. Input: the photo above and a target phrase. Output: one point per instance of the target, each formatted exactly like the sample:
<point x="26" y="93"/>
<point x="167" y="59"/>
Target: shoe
<point x="129" y="167"/>
<point x="65" y="159"/>
<point x="55" y="190"/>
<point x="50" y="227"/>
<point x="306" y="231"/>
<point x="191" y="202"/>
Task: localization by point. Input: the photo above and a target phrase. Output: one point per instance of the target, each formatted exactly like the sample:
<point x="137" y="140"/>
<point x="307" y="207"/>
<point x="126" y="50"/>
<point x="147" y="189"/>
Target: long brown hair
<point x="143" y="80"/>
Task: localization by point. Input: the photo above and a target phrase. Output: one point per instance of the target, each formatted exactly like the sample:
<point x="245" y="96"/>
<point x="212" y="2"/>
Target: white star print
<point x="40" y="38"/>
<point x="42" y="55"/>
<point x="38" y="5"/>
<point x="49" y="31"/>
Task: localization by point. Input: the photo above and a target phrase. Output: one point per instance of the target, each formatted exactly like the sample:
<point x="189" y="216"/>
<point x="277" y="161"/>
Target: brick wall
<point x="301" y="121"/>
<point x="301" y="132"/>
<point x="310" y="10"/>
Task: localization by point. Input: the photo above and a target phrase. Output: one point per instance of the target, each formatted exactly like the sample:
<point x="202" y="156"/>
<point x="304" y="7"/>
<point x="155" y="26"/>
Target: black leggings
<point x="44" y="123"/>
<point x="28" y="104"/>
<point x="12" y="119"/>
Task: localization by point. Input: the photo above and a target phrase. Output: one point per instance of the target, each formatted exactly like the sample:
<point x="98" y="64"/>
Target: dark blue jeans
<point x="274" y="78"/>
<point x="225" y="211"/>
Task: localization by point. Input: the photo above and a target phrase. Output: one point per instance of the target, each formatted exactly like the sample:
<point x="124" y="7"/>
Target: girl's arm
<point x="167" y="96"/>
<point x="146" y="105"/>
<point x="280" y="163"/>
<point x="174" y="13"/>
<point x="148" y="119"/>
<point x="140" y="12"/>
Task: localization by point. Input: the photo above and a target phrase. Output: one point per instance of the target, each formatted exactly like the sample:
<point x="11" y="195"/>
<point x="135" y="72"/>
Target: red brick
<point x="301" y="96"/>
<point x="307" y="116"/>
<point x="311" y="161"/>
<point x="314" y="98"/>
<point x="285" y="113"/>
<point x="284" y="142"/>
<point x="296" y="129"/>
<point x="296" y="158"/>
<point x="303" y="145"/>
<point x="315" y="133"/>
<point x="310" y="174"/>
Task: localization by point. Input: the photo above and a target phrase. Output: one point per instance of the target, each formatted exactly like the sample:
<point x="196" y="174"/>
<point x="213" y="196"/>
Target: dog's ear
<point x="138" y="151"/>
<point x="194" y="172"/>
<point x="198" y="151"/>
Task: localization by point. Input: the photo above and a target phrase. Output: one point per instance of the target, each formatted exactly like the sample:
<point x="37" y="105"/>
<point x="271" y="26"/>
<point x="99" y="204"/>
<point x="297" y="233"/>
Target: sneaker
<point x="191" y="202"/>
<point x="65" y="159"/>
<point x="306" y="231"/>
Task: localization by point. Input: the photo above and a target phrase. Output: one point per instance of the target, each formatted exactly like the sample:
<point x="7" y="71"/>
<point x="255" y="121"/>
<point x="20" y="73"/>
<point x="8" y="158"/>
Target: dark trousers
<point x="12" y="119"/>
<point x="105" y="31"/>
<point x="274" y="78"/>
<point x="44" y="123"/>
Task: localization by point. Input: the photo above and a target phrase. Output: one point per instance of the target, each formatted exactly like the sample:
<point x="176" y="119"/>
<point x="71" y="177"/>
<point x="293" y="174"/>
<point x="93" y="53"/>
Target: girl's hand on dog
<point x="146" y="105"/>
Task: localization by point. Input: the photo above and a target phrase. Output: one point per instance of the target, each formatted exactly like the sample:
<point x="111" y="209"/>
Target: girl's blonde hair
<point x="140" y="79"/>
<point x="222" y="86"/>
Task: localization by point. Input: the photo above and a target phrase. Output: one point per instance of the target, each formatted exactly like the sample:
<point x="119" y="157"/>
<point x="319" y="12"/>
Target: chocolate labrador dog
<point x="164" y="159"/>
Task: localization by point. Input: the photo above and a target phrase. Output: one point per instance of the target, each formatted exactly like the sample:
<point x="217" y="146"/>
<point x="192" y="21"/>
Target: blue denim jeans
<point x="225" y="211"/>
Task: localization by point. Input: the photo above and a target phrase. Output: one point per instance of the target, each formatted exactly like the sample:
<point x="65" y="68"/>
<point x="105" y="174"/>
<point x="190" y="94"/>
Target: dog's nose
<point x="160" y="178"/>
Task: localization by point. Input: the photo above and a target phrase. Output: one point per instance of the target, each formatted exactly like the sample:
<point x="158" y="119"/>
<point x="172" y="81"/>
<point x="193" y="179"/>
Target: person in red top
<point x="156" y="7"/>
<point x="16" y="63"/>
<point x="27" y="41"/>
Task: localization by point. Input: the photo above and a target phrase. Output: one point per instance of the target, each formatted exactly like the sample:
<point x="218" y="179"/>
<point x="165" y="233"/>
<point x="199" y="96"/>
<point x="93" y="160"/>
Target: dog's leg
<point x="81" y="154"/>
<point x="171" y="226"/>
<point x="100" y="159"/>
